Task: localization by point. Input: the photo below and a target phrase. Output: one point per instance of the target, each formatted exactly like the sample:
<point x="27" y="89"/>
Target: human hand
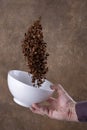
<point x="61" y="108"/>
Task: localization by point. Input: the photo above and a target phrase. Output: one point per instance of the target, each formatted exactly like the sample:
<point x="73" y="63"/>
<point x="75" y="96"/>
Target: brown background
<point x="65" y="30"/>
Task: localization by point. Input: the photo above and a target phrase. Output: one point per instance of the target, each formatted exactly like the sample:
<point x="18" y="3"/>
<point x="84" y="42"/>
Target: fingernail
<point x="52" y="87"/>
<point x="32" y="108"/>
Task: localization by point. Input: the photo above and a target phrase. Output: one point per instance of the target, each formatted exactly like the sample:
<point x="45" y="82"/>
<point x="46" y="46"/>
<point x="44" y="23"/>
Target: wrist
<point x="72" y="116"/>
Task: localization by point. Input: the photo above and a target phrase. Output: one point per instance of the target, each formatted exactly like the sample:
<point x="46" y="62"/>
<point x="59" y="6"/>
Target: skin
<point x="60" y="108"/>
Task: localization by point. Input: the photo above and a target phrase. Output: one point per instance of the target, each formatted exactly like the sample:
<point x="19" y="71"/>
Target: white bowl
<point x="21" y="87"/>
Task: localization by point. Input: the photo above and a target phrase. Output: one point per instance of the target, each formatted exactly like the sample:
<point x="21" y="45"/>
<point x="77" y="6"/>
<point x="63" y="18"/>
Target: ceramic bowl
<point x="23" y="91"/>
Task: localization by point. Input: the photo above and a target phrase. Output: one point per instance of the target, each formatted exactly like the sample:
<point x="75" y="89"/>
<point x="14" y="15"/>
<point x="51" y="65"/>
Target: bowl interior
<point x="22" y="76"/>
<point x="26" y="78"/>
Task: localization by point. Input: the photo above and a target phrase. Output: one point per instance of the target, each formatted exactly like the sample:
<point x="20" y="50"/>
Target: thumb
<point x="59" y="89"/>
<point x="62" y="92"/>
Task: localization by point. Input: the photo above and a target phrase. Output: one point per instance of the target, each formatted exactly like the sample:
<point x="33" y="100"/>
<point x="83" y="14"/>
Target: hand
<point x="61" y="108"/>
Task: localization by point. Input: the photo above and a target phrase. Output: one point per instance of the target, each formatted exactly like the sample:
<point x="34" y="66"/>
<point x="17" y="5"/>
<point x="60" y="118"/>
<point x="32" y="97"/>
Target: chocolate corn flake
<point x="34" y="49"/>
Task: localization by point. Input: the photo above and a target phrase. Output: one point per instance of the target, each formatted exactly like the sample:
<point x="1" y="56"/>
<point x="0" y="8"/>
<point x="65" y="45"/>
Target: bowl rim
<point x="9" y="74"/>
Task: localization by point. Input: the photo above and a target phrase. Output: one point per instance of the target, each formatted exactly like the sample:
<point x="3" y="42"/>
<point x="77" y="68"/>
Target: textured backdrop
<point x="65" y="30"/>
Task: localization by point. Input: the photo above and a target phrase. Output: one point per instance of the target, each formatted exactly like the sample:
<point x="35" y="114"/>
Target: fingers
<point x="50" y="100"/>
<point x="42" y="110"/>
<point x="34" y="107"/>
